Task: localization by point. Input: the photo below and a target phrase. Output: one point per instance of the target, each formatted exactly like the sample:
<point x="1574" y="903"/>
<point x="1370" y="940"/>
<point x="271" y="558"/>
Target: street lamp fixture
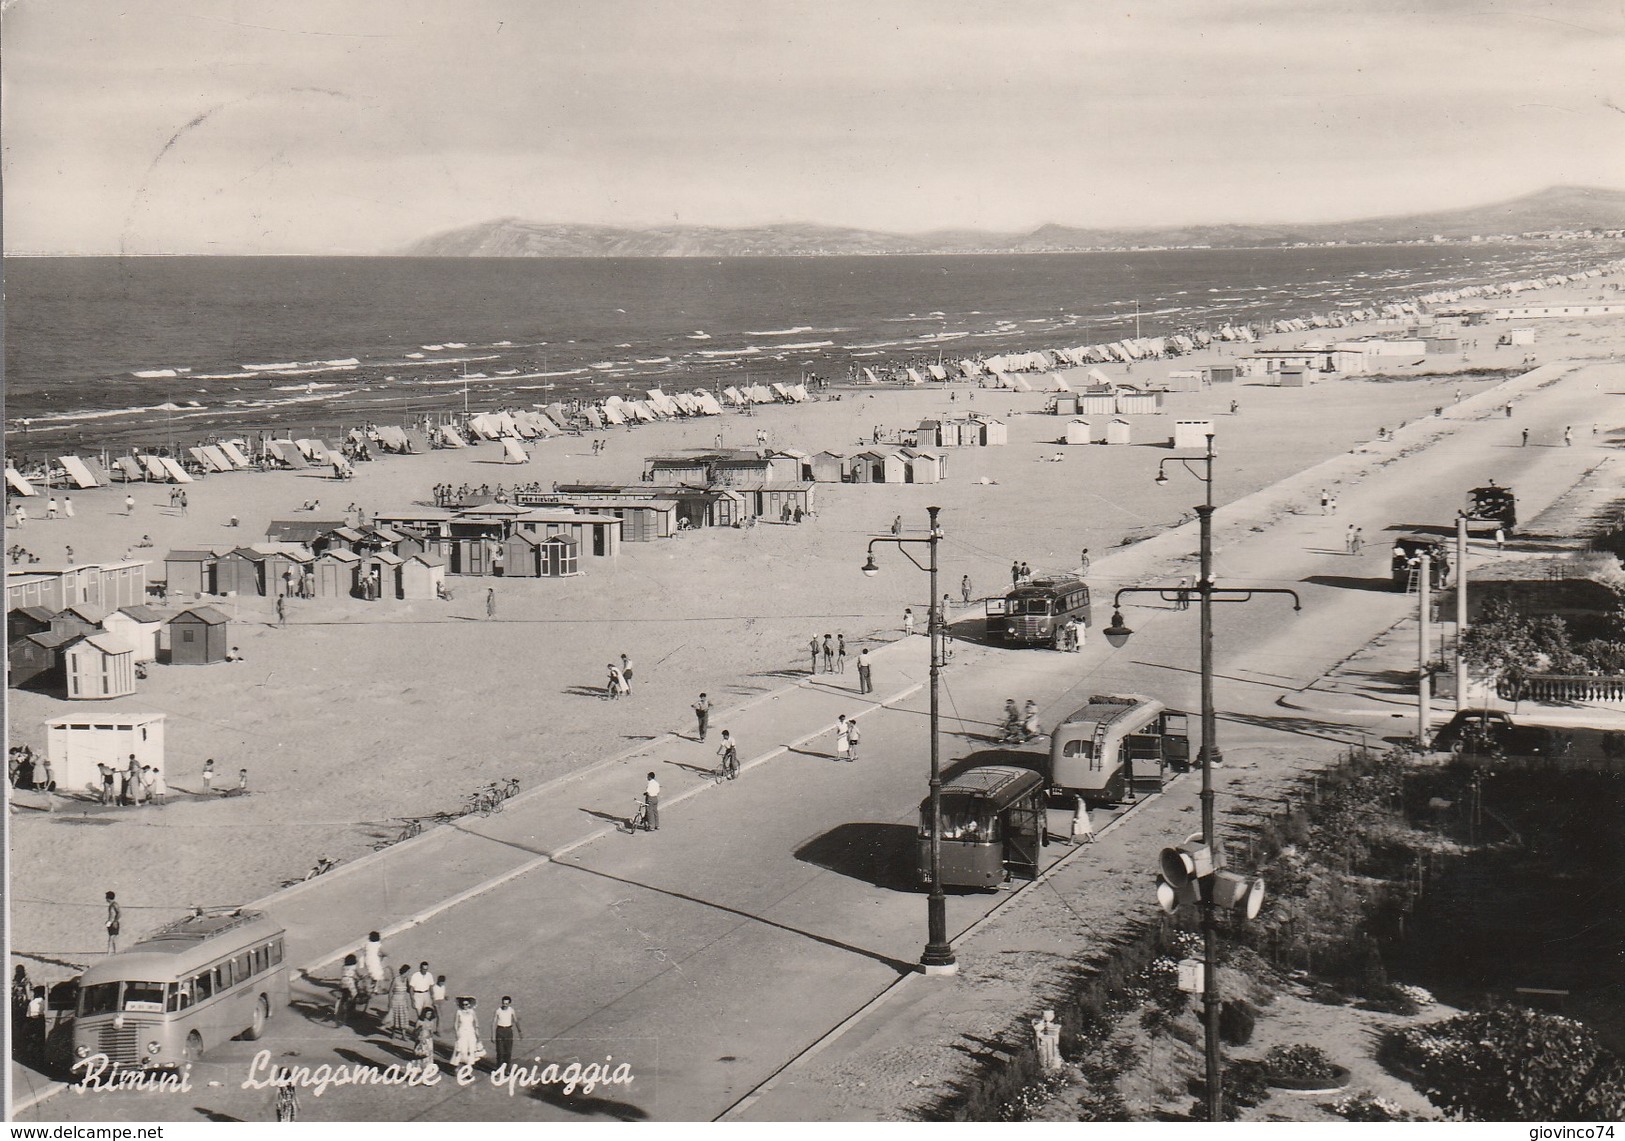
<point x="938" y="957"/>
<point x="1180" y="888"/>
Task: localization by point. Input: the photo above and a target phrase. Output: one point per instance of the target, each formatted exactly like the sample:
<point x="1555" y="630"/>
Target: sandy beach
<point x="358" y="715"/>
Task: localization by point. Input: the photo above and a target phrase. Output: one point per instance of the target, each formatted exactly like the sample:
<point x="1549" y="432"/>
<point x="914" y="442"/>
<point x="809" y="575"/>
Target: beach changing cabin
<point x="36" y="659"/>
<point x="1079" y="432"/>
<point x="336" y="572"/>
<point x="383" y="570"/>
<point x="828" y="467"/>
<point x="240" y="571"/>
<point x="136" y="627"/>
<point x="75" y="745"/>
<point x="423" y="576"/>
<point x="1118" y="432"/>
<point x="98" y="667"/>
<point x="1191" y="434"/>
<point x="198" y="637"/>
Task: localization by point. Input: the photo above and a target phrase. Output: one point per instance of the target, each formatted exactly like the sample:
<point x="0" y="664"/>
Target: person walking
<point x="1500" y="540"/>
<point x="466" y="1047"/>
<point x="1026" y="573"/>
<point x="1525" y="443"/>
<point x="897" y="525"/>
<point x="505" y="1029"/>
<point x="1325" y="499"/>
<point x="1182" y="598"/>
<point x="651" y="803"/>
<point x="1348" y="540"/>
<point x="50" y="508"/>
<point x="424" y="1036"/>
<point x="129" y="504"/>
<point x="730" y="757"/>
<point x="19" y="515"/>
<point x="114" y="918"/>
<point x="865" y="679"/>
<point x="372" y="966"/>
<point x="702" y="714"/>
<point x="490" y="602"/>
<point x="964" y="590"/>
<point x="1357" y="543"/>
<point x="829" y="654"/>
<point x="908" y="620"/>
<point x="106" y="773"/>
<point x="281" y="610"/>
<point x="840" y="653"/>
<point x="208" y="776"/>
<point x="421" y="984"/>
<point x="842" y="744"/>
<point x="67" y="500"/>
<point x="626" y="674"/>
<point x="399" y="1018"/>
<point x="1333" y="503"/>
<point x="345" y="994"/>
<point x="813" y="645"/>
<point x="1568" y="437"/>
<point x="853" y="736"/>
<point x="183" y="502"/>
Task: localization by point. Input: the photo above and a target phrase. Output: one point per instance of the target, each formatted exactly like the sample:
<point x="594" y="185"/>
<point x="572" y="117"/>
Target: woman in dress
<point x="399" y="1019"/>
<point x="372" y="964"/>
<point x="427" y="1024"/>
<point x="466" y="1048"/>
<point x="344" y="998"/>
<point x="842" y="745"/>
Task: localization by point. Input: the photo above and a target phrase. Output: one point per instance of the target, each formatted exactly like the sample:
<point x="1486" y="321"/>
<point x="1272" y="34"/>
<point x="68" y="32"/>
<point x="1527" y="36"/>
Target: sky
<point x="361" y="126"/>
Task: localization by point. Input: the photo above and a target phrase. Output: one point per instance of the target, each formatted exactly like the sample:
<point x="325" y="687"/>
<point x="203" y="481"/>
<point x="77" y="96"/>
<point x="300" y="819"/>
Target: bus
<point x="1094" y="749"/>
<point x="1034" y="612"/>
<point x="1406" y="559"/>
<point x="184" y="989"/>
<point x="992" y="826"/>
<point x="1494" y="505"/>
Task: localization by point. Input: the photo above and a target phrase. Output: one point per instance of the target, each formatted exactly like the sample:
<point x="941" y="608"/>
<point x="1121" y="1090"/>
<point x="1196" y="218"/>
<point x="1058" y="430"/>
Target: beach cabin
<point x="559" y="557"/>
<point x="828" y="467"/>
<point x="984" y="430"/>
<point x="75" y="745"/>
<point x="1221" y="374"/>
<point x="136" y="627"/>
<point x="1185" y="380"/>
<point x="36" y="659"/>
<point x="241" y="571"/>
<point x="930" y="434"/>
<point x="1079" y="432"/>
<point x="30" y="589"/>
<point x="98" y="667"/>
<point x="306" y="532"/>
<point x="1118" y="432"/>
<point x="381" y="575"/>
<point x="1064" y="404"/>
<point x="198" y="637"/>
<point x="472" y="556"/>
<point x="189" y="572"/>
<point x="284" y="565"/>
<point x="78" y="620"/>
<point x="677" y="469"/>
<point x="599" y="536"/>
<point x="1131" y="402"/>
<point x="924" y="467"/>
<point x="1191" y="434"/>
<point x="788" y="466"/>
<point x="1292" y="376"/>
<point x="520" y="556"/>
<point x="424" y="576"/>
<point x="336" y="571"/>
<point x="25" y="620"/>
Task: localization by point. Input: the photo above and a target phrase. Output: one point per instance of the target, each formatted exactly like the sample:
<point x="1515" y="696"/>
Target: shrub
<point x="1301" y="1062"/>
<point x="1508" y="1063"/>
<point x="1364" y="1106"/>
<point x="1236" y="1021"/>
<point x="1243" y="1086"/>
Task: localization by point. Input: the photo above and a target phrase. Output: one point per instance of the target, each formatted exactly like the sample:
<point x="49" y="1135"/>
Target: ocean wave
<point x="308" y="386"/>
<point x="154" y="373"/>
<point x="778" y="332"/>
<point x="456" y="344"/>
<point x="654" y="360"/>
<point x="270" y="367"/>
<point x="434" y="348"/>
<point x="699" y="335"/>
<point x="752" y="351"/>
<point x="809" y="345"/>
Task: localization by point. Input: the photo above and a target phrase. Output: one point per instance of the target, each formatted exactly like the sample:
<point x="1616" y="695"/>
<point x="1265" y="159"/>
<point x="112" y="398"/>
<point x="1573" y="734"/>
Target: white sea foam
<point x="270" y="367"/>
<point x="154" y="373"/>
<point x="752" y="351"/>
<point x="779" y="332"/>
<point x="809" y="345"/>
<point x="654" y="360"/>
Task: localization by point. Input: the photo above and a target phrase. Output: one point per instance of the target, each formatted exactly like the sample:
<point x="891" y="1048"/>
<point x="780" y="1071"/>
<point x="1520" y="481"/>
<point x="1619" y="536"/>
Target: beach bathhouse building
<point x="239" y="571"/>
<point x="1079" y="432"/>
<point x="98" y="667"/>
<point x="198" y="637"/>
<point x="827" y="467"/>
<point x="79" y="620"/>
<point x="105" y="585"/>
<point x="136" y="627"/>
<point x="75" y="745"/>
<point x="422" y="576"/>
<point x="596" y="536"/>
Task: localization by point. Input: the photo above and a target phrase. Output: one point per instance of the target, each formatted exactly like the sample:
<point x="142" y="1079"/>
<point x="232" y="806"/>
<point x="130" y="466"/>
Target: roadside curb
<point x="35" y="1097"/>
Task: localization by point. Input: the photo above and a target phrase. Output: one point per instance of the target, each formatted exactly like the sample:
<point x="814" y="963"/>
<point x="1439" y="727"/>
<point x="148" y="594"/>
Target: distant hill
<point x="1556" y="208"/>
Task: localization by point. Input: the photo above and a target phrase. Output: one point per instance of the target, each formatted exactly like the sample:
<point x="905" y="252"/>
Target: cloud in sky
<point x="316" y="126"/>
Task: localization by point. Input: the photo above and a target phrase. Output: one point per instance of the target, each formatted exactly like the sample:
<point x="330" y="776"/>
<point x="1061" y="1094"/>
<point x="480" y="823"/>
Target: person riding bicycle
<point x="1012" y="720"/>
<point x="729" y="753"/>
<point x="1029" y="720"/>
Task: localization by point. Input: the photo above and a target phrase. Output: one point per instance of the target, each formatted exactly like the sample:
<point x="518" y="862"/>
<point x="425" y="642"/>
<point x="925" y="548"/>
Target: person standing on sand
<point x="1357" y="544"/>
<point x="829" y="654"/>
<point x="490" y="602"/>
<point x="19" y="515"/>
<point x="1324" y="500"/>
<point x="964" y="589"/>
<point x="897" y="525"/>
<point x="1333" y="504"/>
<point x="814" y="647"/>
<point x="281" y="610"/>
<point x="114" y="916"/>
<point x="1509" y="409"/>
<point x="840" y="653"/>
<point x="908" y="621"/>
<point x="208" y="776"/>
<point x="1348" y="540"/>
<point x="1568" y="437"/>
<point x="67" y="500"/>
<point x="1525" y="443"/>
<point x="129" y="504"/>
<point x="50" y="508"/>
<point x="865" y="682"/>
<point x="702" y="715"/>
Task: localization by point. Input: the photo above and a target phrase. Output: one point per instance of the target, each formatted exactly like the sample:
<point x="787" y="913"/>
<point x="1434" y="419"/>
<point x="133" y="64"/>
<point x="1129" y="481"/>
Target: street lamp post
<point x="938" y="957"/>
<point x="1210" y="756"/>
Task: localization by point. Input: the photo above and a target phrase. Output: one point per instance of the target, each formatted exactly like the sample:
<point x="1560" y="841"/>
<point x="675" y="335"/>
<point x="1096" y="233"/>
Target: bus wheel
<point x="262" y="1012"/>
<point x="194" y="1046"/>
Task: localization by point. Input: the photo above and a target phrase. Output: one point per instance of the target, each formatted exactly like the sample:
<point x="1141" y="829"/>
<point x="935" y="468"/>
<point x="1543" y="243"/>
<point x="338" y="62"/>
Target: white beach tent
<point x="938" y="371"/>
<point x="733" y="396"/>
<point x="760" y="394"/>
<point x="914" y="376"/>
<point x="1019" y="383"/>
<point x="515" y="452"/>
<point x="229" y="449"/>
<point x="708" y="403"/>
<point x="869" y="373"/>
<point x="199" y="455"/>
<point x="798" y="392"/>
<point x="176" y="472"/>
<point x="450" y="437"/>
<point x="971" y="369"/>
<point x="594" y="417"/>
<point x="613" y="413"/>
<point x="154" y="469"/>
<point x="1100" y="378"/>
<point x="17" y="483"/>
<point x="98" y="471"/>
<point x="77" y="471"/>
<point x="131" y="469"/>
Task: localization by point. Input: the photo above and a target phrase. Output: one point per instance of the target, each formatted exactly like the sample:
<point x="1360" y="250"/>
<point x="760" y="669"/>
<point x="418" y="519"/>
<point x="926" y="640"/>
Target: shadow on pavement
<point x="1349" y="582"/>
<point x="875" y="853"/>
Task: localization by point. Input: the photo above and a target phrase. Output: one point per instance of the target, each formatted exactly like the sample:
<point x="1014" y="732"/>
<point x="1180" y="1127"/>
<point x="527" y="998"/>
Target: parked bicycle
<point x="320" y="868"/>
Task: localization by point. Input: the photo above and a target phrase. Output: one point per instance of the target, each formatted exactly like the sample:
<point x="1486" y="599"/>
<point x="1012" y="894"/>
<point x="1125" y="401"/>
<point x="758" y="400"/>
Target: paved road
<point x="768" y="910"/>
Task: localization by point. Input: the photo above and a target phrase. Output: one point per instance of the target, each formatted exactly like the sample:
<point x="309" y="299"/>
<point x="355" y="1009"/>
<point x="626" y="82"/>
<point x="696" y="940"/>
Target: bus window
<point x="245" y="966"/>
<point x="1081" y="748"/>
<point x="180" y="996"/>
<point x="222" y="976"/>
<point x="100" y="998"/>
<point x="1038" y="606"/>
<point x="968" y="821"/>
<point x="203" y="985"/>
<point x="262" y="959"/>
<point x="144" y="997"/>
<point x="276" y="952"/>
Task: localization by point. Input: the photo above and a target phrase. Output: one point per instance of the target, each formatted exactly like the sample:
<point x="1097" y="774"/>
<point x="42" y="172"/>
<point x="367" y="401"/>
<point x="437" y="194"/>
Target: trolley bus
<point x="1094" y="750"/>
<point x="992" y="827"/>
<point x="1034" y="612"/>
<point x="184" y="989"/>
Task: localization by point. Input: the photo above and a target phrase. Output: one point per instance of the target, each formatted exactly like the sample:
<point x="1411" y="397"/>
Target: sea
<point x="113" y="352"/>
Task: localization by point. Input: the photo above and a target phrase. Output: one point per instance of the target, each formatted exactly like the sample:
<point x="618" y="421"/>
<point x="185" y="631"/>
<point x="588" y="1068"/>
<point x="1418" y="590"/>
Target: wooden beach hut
<point x="559" y="557"/>
<point x="74" y="746"/>
<point x="22" y="621"/>
<point x="828" y="467"/>
<point x="422" y="576"/>
<point x="599" y="536"/>
<point x="1079" y="432"/>
<point x="36" y="659"/>
<point x="198" y="637"/>
<point x="1191" y="434"/>
<point x="1118" y="432"/>
<point x="79" y="620"/>
<point x="336" y="570"/>
<point x="522" y="559"/>
<point x="241" y="571"/>
<point x="33" y="589"/>
<point x="382" y="569"/>
<point x="923" y="467"/>
<point x="136" y="627"/>
<point x="98" y="667"/>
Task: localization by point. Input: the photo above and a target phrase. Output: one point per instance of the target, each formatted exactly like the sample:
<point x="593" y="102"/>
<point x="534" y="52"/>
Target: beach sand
<point x="357" y="715"/>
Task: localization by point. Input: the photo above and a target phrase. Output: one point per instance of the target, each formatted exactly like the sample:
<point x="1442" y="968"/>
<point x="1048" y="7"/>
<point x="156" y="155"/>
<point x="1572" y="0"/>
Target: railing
<point x="1564" y="689"/>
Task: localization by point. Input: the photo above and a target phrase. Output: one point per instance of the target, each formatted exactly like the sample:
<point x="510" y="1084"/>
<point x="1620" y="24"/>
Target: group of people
<point x="133" y="785"/>
<point x="415" y="1010"/>
<point x="1354" y="539"/>
<point x="19" y="513"/>
<point x="26" y="770"/>
<point x="832" y="650"/>
<point x="1020" y="573"/>
<point x="1020" y="724"/>
<point x="620" y="680"/>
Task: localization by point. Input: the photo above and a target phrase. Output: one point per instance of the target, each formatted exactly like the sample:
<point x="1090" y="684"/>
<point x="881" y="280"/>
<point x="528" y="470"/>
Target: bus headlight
<point x="118" y="1022"/>
<point x="1010" y="628"/>
<point x="81" y="1051"/>
<point x="155" y="1047"/>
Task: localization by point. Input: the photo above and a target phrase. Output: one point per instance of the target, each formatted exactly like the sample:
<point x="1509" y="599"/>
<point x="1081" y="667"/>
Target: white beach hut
<point x="1079" y="432"/>
<point x="1118" y="432"/>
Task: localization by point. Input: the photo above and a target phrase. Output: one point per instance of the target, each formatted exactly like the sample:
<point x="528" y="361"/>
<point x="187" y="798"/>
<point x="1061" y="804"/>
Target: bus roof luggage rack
<point x="205" y="923"/>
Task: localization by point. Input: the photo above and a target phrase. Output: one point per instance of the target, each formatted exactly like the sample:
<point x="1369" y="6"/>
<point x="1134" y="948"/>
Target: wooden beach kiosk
<point x="198" y="637"/>
<point x="241" y="571"/>
<point x="76" y="744"/>
<point x="98" y="667"/>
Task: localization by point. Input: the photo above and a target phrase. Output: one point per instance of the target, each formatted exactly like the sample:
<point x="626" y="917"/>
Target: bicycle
<point x="640" y="818"/>
<point x="729" y="769"/>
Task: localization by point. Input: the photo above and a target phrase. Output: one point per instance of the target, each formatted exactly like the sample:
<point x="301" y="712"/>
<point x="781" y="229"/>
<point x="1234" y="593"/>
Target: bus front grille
<point x="1029" y="628"/>
<point x="120" y="1043"/>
